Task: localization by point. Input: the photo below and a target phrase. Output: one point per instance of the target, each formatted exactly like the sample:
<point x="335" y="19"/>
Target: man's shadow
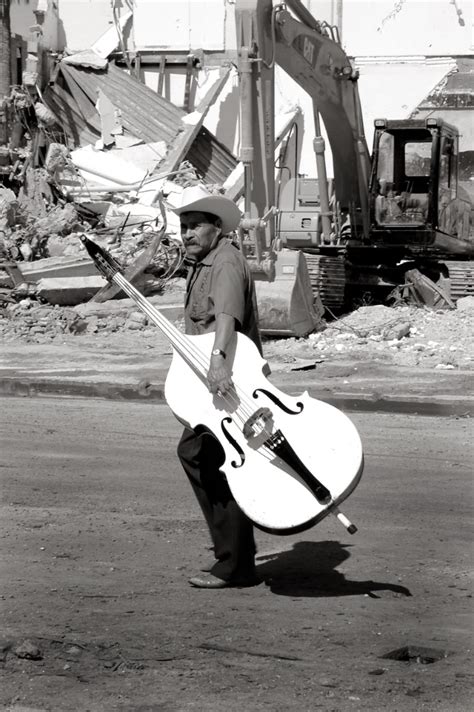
<point x="309" y="569"/>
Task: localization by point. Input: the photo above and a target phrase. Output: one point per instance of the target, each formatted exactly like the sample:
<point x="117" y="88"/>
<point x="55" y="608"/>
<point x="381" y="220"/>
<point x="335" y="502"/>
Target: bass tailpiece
<point x="280" y="446"/>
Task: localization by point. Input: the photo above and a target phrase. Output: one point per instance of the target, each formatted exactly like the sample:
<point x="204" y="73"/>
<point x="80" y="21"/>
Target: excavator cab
<point x="413" y="190"/>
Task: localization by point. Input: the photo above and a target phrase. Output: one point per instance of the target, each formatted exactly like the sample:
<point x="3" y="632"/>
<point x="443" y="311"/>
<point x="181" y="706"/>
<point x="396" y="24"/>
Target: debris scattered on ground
<point x="116" y="179"/>
<point x="407" y="336"/>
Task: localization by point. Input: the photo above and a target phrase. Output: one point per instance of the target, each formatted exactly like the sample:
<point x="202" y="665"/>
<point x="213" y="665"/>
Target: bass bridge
<point x="258" y="427"/>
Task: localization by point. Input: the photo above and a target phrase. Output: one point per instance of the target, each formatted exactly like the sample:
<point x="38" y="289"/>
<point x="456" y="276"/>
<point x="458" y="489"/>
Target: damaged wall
<point x="182" y="25"/>
<point x="83" y="21"/>
<point x="43" y="14"/>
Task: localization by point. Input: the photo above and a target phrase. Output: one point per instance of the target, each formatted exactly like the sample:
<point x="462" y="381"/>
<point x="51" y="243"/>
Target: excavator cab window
<point x="403" y="177"/>
<point x="447" y="184"/>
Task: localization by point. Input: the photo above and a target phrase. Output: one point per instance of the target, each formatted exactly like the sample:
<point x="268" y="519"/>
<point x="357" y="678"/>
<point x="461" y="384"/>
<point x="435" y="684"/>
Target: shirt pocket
<point x="201" y="302"/>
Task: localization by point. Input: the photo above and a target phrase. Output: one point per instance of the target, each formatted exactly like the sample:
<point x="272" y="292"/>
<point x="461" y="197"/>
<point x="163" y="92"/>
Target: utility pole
<point x="5" y="60"/>
<point x="5" y="68"/>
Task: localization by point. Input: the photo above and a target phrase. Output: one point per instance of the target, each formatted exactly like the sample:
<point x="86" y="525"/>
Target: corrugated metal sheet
<point x="76" y="128"/>
<point x="211" y="159"/>
<point x="461" y="83"/>
<point x="144" y="114"/>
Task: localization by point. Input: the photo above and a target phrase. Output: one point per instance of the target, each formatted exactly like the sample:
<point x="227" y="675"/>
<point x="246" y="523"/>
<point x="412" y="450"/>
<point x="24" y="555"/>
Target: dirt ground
<point x="100" y="534"/>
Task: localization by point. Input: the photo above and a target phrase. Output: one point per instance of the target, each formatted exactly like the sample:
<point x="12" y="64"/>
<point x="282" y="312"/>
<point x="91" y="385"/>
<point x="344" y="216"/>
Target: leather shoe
<point x="211" y="581"/>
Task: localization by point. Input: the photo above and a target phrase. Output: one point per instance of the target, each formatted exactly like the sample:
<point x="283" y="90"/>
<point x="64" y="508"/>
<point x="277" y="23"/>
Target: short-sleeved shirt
<point x="221" y="283"/>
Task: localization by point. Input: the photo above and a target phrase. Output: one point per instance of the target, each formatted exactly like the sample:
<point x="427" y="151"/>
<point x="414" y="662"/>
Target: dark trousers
<point x="231" y="530"/>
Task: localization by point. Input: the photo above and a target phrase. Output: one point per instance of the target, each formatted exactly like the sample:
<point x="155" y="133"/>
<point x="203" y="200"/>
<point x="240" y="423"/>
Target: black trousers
<point x="231" y="531"/>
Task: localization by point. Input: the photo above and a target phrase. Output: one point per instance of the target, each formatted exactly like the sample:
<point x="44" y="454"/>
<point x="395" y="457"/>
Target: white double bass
<point x="289" y="461"/>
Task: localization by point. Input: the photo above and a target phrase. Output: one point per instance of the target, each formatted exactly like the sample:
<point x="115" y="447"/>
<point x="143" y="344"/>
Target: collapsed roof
<point x="72" y="97"/>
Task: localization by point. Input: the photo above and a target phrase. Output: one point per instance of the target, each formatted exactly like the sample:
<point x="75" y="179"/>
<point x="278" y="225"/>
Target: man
<point x="220" y="298"/>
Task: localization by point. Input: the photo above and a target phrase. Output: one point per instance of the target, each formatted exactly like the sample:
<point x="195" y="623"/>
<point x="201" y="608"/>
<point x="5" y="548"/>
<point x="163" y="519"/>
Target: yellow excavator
<point x="314" y="243"/>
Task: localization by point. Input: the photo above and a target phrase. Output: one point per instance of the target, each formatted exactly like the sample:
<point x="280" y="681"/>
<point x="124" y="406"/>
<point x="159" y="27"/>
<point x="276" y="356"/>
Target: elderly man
<point x="220" y="298"/>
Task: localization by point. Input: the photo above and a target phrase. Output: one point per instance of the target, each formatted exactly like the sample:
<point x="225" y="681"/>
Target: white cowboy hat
<point x="197" y="198"/>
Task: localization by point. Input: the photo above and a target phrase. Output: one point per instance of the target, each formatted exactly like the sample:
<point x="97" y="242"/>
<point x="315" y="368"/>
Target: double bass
<point x="289" y="461"/>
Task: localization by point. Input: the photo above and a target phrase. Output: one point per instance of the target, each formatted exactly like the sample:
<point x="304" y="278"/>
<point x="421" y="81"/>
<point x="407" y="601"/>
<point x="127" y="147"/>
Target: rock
<point x="465" y="304"/>
<point x="28" y="650"/>
<point x="139" y="317"/>
<point x="78" y="326"/>
<point x="134" y="325"/>
<point x="397" y="332"/>
<point x="93" y="324"/>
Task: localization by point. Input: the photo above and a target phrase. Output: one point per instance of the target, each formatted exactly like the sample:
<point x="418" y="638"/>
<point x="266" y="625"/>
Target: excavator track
<point x="328" y="278"/>
<point x="461" y="275"/>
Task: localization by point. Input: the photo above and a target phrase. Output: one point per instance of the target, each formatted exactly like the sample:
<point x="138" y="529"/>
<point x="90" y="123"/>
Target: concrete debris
<point x="65" y="267"/>
<point x="29" y="321"/>
<point x="110" y="40"/>
<point x="8" y="208"/>
<point x="105" y="169"/>
<point x="420" y="290"/>
<point x="68" y="291"/>
<point x="404" y="335"/>
<point x="465" y="304"/>
<point x="441" y="340"/>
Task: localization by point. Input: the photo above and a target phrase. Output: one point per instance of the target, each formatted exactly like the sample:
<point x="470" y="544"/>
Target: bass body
<point x="289" y="461"/>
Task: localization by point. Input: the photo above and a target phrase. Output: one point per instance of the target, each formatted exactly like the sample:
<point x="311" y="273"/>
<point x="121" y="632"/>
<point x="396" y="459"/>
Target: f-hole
<point x="234" y="443"/>
<point x="278" y="402"/>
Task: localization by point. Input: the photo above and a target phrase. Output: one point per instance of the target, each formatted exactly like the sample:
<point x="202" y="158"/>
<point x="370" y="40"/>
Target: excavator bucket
<point x="287" y="305"/>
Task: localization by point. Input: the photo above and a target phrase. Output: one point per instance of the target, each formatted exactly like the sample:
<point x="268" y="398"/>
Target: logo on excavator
<point x="306" y="46"/>
<point x="308" y="50"/>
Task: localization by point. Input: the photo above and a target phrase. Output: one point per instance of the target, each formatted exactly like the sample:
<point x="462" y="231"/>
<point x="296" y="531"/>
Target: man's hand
<point x="219" y="376"/>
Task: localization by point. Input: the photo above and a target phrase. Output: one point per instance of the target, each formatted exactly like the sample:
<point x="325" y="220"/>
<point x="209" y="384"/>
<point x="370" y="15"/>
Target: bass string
<point x="242" y="407"/>
<point x="182" y="345"/>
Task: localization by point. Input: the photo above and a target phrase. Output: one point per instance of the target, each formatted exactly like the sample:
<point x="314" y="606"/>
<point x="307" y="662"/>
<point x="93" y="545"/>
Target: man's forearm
<point x="220" y="370"/>
<point x="225" y="330"/>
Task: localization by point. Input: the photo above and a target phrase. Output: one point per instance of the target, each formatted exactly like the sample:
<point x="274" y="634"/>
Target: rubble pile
<point x="31" y="322"/>
<point x="405" y="335"/>
<point x="115" y="177"/>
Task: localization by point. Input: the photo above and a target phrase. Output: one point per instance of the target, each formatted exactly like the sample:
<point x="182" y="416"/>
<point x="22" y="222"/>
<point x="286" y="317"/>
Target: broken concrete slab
<point x="69" y="291"/>
<point x="106" y="167"/>
<point x="110" y="39"/>
<point x="58" y="267"/>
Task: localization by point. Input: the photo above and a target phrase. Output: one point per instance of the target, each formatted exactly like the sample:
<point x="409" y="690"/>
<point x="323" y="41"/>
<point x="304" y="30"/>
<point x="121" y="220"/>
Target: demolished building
<point x="125" y="140"/>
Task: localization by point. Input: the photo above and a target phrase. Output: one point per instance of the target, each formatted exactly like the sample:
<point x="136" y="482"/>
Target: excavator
<point x="318" y="244"/>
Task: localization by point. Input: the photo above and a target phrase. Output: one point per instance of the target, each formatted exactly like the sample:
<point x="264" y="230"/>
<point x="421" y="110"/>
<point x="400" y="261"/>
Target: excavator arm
<point x="310" y="53"/>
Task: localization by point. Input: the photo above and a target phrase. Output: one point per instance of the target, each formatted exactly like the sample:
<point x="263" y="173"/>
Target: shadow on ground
<point x="309" y="569"/>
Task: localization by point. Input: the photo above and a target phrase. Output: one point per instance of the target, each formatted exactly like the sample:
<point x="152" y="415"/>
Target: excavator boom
<point x="310" y="53"/>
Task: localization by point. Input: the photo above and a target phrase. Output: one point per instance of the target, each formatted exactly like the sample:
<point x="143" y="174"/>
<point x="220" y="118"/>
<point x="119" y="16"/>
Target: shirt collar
<point x="208" y="260"/>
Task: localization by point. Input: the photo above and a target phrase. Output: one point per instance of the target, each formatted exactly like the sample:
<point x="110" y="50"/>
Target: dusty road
<point x="100" y="534"/>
